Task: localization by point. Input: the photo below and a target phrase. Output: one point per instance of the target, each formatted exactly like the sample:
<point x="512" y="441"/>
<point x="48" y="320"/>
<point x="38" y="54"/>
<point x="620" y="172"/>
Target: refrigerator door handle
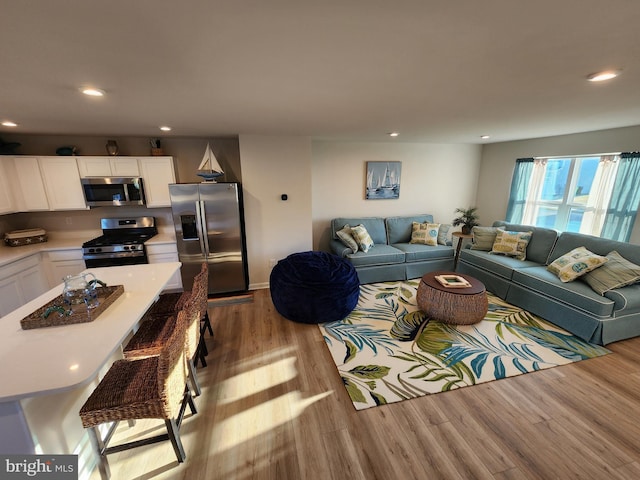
<point x="201" y="226"/>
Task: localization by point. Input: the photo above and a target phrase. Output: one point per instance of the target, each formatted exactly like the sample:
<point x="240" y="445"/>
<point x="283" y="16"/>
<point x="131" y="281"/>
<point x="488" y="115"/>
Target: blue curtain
<point x="623" y="207"/>
<point x="519" y="187"/>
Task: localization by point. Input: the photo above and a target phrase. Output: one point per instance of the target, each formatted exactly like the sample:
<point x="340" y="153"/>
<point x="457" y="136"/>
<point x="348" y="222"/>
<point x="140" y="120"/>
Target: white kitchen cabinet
<point x="28" y="185"/>
<point x="62" y="183"/>
<point x="157" y="173"/>
<point x="166" y="252"/>
<point x="7" y="204"/>
<point x="108" y="167"/>
<point x="60" y="263"/>
<point x="20" y="282"/>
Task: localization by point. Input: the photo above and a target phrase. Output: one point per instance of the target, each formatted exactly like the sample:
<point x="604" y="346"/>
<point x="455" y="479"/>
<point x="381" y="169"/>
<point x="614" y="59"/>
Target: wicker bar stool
<point x="150" y="387"/>
<point x="149" y="338"/>
<point x="169" y="303"/>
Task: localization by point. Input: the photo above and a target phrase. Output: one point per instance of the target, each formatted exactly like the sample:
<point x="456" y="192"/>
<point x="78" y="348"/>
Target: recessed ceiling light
<point x="93" y="92"/>
<point x="602" y="76"/>
<point x="9" y="124"/>
<point x="165" y="128"/>
<point x="394" y="134"/>
<point x="485" y="137"/>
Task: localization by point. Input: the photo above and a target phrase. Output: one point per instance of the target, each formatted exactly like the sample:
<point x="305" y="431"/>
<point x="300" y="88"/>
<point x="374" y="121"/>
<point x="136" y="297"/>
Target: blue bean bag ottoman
<point x="314" y="287"/>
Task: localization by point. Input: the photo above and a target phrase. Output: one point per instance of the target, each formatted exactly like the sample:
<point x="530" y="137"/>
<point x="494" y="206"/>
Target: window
<point x="570" y="193"/>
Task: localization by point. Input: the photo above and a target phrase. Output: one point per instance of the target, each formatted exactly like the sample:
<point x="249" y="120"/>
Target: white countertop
<point x="53" y="359"/>
<point x="72" y="241"/>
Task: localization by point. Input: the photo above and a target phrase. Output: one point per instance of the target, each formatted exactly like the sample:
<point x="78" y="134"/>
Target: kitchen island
<point x="46" y="374"/>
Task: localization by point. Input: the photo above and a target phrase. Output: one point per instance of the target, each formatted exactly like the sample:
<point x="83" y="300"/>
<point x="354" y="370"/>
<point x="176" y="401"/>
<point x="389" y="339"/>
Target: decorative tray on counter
<point x="56" y="312"/>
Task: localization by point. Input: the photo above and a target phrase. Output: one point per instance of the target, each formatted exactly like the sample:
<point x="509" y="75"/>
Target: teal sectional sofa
<point x="392" y="256"/>
<point x="573" y="306"/>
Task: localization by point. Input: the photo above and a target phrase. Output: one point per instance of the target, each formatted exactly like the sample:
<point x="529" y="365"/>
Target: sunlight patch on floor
<point x="254" y="381"/>
<point x="260" y="419"/>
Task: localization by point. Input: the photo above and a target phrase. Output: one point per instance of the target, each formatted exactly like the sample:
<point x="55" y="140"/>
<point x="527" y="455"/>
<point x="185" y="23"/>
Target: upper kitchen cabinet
<point x="7" y="204"/>
<point x="28" y="185"/>
<point x="108" y="167"/>
<point x="62" y="183"/>
<point x="157" y="173"/>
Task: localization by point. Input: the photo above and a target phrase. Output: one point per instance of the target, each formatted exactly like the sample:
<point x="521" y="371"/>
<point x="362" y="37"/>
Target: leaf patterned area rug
<point x="387" y="350"/>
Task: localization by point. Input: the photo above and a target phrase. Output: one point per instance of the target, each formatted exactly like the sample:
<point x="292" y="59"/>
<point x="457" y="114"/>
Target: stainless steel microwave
<point x="113" y="191"/>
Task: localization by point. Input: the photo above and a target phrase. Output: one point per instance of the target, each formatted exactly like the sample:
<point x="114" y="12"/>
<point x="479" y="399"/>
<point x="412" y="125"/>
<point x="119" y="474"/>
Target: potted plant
<point x="467" y="217"/>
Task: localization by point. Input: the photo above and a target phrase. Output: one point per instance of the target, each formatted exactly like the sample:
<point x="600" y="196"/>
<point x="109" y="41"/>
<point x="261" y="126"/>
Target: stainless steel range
<point x="121" y="242"/>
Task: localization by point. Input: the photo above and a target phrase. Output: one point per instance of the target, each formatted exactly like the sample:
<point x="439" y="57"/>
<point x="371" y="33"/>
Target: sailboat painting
<point x="209" y="168"/>
<point x="383" y="180"/>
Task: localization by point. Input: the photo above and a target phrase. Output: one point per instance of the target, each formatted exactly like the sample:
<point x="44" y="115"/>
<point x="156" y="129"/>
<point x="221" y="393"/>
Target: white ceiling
<point x="439" y="71"/>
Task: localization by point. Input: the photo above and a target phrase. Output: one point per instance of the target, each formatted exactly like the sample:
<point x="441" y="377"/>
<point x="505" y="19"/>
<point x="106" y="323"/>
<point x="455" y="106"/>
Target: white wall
<point x="435" y="178"/>
<point x="272" y="166"/>
<point x="498" y="160"/>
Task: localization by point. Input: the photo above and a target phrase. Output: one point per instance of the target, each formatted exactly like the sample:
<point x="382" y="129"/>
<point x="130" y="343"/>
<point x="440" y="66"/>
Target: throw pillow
<point x="512" y="244"/>
<point x="346" y="237"/>
<point x="483" y="238"/>
<point x="444" y="234"/>
<point x="362" y="237"/>
<point x="617" y="272"/>
<point x="425" y="233"/>
<point x="576" y="263"/>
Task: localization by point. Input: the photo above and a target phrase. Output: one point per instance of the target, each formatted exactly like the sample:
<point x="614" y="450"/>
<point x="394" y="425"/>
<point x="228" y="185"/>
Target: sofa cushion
<point x="511" y="244"/>
<point x="567" y="241"/>
<point x="346" y="237"/>
<point x="497" y="264"/>
<point x="627" y="300"/>
<point x="377" y="255"/>
<point x="415" y="252"/>
<point x="362" y="237"/>
<point x="399" y="228"/>
<point x="374" y="226"/>
<point x="616" y="273"/>
<point x="542" y="240"/>
<point x="425" y="233"/>
<point x="577" y="294"/>
<point x="575" y="263"/>
<point x="483" y="238"/>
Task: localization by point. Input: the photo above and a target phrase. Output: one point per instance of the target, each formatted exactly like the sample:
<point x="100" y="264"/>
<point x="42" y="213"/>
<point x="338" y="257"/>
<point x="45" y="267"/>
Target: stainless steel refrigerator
<point x="209" y="224"/>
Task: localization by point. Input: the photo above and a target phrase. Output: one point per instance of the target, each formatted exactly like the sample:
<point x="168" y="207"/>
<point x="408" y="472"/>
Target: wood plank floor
<point x="273" y="407"/>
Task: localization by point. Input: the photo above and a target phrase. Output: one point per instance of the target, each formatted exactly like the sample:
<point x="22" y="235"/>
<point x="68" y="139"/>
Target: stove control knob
<point x="98" y="250"/>
<point x="91" y="250"/>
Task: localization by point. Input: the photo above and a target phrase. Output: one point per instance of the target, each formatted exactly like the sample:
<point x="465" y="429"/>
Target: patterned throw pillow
<point x="444" y="234"/>
<point x="346" y="237"/>
<point x="576" y="263"/>
<point x="618" y="272"/>
<point x="512" y="244"/>
<point x="425" y="233"/>
<point x="483" y="238"/>
<point x="362" y="237"/>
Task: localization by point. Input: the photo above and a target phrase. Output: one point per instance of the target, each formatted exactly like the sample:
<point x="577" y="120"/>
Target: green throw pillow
<point x="512" y="244"/>
<point x="483" y="238"/>
<point x="346" y="237"/>
<point x="618" y="272"/>
<point x="362" y="237"/>
<point x="576" y="263"/>
<point x="425" y="233"/>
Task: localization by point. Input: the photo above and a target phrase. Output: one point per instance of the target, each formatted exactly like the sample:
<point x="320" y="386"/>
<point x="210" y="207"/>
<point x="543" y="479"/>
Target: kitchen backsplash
<point x="67" y="222"/>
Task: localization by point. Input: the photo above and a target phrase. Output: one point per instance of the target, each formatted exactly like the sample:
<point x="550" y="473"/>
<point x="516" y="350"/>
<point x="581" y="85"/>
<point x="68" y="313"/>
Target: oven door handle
<point x="201" y="226"/>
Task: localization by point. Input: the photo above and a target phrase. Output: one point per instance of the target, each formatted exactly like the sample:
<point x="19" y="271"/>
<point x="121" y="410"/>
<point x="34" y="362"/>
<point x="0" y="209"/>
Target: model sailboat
<point x="209" y="168"/>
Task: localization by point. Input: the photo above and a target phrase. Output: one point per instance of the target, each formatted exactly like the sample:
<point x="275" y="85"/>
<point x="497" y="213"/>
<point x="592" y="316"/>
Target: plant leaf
<point x="370" y="371"/>
<point x="407" y="326"/>
<point x="353" y="391"/>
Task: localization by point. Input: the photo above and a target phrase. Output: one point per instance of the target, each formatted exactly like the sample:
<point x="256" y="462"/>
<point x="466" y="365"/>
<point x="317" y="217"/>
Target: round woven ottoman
<point x="459" y="306"/>
<point x="314" y="287"/>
